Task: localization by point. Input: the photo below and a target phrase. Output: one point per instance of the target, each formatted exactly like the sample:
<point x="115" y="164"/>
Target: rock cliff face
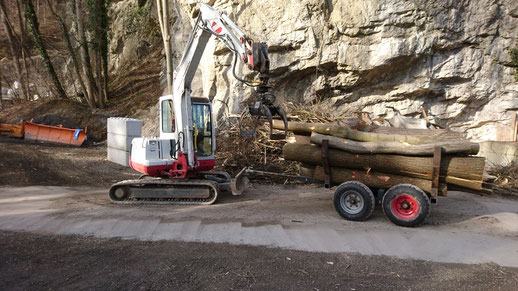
<point x="385" y="57"/>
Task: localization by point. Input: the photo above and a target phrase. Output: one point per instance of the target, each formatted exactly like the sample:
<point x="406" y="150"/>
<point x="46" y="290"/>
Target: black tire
<point x="354" y="201"/>
<point x="406" y="205"/>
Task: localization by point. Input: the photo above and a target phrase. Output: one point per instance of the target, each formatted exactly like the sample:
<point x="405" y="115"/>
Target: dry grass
<point x="506" y="182"/>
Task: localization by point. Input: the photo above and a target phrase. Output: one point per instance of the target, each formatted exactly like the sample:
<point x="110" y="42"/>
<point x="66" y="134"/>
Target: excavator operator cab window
<point x="202" y="123"/>
<point x="167" y="116"/>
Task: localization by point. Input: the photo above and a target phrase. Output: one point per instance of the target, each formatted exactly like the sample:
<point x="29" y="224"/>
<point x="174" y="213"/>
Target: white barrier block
<point x="118" y="156"/>
<point x="119" y="141"/>
<point x="124" y="126"/>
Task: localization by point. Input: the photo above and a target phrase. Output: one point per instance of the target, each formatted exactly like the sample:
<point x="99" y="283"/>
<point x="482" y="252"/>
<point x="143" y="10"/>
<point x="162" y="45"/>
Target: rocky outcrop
<point x="382" y="56"/>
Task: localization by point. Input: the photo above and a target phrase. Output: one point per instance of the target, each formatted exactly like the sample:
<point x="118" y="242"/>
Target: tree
<point x="1" y="91"/>
<point x="32" y="21"/>
<point x="99" y="26"/>
<point x="23" y="40"/>
<point x="71" y="51"/>
<point x="14" y="49"/>
<point x="85" y="57"/>
<point x="104" y="44"/>
<point x="163" y="19"/>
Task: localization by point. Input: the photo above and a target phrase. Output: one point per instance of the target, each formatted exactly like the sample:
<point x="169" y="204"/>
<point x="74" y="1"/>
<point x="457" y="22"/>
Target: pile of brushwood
<point x="260" y="152"/>
<point x="506" y="182"/>
<point x="382" y="157"/>
<point x="234" y="152"/>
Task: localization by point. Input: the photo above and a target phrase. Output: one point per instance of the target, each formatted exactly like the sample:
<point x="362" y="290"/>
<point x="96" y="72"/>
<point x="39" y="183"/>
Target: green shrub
<point x="140" y="20"/>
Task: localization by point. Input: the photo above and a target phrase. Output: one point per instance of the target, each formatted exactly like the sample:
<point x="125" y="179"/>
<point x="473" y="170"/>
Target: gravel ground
<point x="38" y="262"/>
<point x="46" y="260"/>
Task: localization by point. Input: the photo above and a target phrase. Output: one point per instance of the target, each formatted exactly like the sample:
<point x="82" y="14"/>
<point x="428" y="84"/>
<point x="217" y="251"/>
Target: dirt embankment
<point x="132" y="92"/>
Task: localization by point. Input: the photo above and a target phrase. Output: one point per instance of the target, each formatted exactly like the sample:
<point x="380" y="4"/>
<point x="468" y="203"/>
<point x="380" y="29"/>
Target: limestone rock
<point x="386" y="57"/>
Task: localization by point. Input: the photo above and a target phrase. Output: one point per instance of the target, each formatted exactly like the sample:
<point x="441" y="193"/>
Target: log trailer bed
<point x="403" y="202"/>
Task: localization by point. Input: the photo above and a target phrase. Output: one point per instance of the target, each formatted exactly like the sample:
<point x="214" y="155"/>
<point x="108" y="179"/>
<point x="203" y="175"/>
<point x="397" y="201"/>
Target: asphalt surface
<point x="462" y="228"/>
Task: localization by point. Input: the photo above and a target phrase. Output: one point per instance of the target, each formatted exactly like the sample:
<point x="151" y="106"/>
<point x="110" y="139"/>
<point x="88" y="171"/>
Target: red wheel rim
<point x="405" y="207"/>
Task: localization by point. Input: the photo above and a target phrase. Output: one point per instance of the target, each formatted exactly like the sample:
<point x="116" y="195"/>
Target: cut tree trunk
<point x="462" y="171"/>
<point x="343" y="132"/>
<point x="299" y="138"/>
<point x="459" y="146"/>
<point x="371" y="179"/>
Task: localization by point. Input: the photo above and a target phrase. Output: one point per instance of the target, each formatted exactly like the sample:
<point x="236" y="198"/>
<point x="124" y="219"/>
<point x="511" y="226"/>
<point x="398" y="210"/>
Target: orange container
<point x="56" y="134"/>
<point x="15" y="130"/>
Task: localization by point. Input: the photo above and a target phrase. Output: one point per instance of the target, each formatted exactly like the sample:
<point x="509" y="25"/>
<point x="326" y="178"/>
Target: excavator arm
<point x="211" y="22"/>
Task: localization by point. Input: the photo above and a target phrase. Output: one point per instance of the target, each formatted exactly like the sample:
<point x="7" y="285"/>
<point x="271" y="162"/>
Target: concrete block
<point x="499" y="153"/>
<point x="118" y="156"/>
<point x="124" y="126"/>
<point x="119" y="141"/>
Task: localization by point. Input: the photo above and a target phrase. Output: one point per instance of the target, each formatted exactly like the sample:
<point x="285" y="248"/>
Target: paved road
<point x="462" y="228"/>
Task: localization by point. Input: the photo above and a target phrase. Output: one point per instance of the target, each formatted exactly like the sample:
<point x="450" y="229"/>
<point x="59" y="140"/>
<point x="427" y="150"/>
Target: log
<point x="395" y="147"/>
<point x="302" y="139"/>
<point x="344" y="132"/>
<point x="462" y="171"/>
<point x="347" y="133"/>
<point x="371" y="179"/>
<point x="307" y="170"/>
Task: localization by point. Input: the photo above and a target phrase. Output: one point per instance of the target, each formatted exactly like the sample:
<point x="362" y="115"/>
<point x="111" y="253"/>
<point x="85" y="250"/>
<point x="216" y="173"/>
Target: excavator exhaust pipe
<point x="239" y="183"/>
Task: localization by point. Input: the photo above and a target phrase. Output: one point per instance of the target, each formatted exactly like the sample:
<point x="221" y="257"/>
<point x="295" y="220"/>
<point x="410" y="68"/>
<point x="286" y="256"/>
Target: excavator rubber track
<point x="164" y="191"/>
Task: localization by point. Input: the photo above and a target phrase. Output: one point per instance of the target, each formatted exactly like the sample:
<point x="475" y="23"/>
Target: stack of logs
<point x="386" y="157"/>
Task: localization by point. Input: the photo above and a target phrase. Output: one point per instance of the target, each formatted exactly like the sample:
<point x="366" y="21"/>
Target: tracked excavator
<point x="177" y="165"/>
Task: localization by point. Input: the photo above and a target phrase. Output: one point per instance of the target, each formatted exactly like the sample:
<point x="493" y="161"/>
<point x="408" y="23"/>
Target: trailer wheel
<point x="354" y="201"/>
<point x="406" y="205"/>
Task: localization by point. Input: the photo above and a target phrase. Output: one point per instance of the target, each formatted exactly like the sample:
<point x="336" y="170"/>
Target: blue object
<point x="76" y="134"/>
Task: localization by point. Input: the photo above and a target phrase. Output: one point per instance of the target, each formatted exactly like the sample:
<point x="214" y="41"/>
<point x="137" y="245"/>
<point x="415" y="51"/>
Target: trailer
<point x="404" y="204"/>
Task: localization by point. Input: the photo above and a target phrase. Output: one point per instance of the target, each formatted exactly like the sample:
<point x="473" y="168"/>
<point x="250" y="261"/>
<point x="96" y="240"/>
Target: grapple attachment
<point x="267" y="109"/>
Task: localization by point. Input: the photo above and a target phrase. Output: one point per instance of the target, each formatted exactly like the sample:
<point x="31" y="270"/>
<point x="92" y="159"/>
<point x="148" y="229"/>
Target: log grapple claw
<point x="265" y="107"/>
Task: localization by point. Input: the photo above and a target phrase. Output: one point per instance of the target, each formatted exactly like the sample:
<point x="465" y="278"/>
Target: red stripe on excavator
<point x="213" y="23"/>
<point x="218" y="31"/>
<point x="154" y="171"/>
<point x="205" y="165"/>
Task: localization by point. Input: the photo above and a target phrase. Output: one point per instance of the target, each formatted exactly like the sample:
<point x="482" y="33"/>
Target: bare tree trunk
<point x="98" y="67"/>
<point x="32" y="20"/>
<point x="104" y="44"/>
<point x="14" y="50"/>
<point x="1" y="91"/>
<point x="23" y="38"/>
<point x="163" y="19"/>
<point x="66" y="36"/>
<point x="85" y="58"/>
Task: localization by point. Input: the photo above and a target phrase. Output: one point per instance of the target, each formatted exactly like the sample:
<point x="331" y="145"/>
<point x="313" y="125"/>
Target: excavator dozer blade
<point x="239" y="183"/>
